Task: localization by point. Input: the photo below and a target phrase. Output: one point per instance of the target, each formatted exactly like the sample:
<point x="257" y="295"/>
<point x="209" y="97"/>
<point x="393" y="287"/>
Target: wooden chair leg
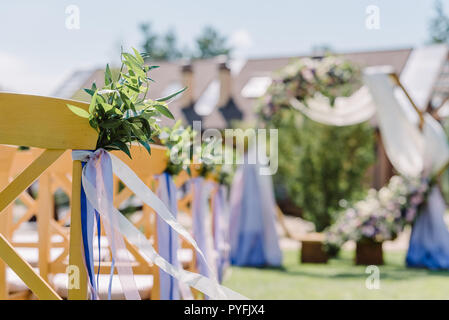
<point x="44" y="213"/>
<point x="77" y="291"/>
<point x="6" y="158"/>
<point x="4" y="290"/>
<point x="23" y="269"/>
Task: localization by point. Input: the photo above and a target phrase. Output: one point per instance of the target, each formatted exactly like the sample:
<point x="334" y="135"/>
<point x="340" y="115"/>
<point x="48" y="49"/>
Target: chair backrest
<point x="46" y="123"/>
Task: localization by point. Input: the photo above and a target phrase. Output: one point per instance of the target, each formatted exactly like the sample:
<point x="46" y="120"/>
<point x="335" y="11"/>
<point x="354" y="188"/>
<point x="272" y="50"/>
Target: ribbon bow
<point x="97" y="185"/>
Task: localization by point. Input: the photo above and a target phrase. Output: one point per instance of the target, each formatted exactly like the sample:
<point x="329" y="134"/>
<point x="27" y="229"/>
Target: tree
<point x="331" y="167"/>
<point x="160" y="47"/>
<point x="439" y="25"/>
<point x="210" y="44"/>
<point x="165" y="46"/>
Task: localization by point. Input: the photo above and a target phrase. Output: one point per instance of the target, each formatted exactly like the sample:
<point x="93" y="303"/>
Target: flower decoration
<point x="329" y="77"/>
<point x="382" y="215"/>
<point x="120" y="111"/>
<point x="180" y="147"/>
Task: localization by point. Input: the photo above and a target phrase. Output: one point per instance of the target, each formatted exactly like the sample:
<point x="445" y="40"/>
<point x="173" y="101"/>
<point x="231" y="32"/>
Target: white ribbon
<point x="210" y="287"/>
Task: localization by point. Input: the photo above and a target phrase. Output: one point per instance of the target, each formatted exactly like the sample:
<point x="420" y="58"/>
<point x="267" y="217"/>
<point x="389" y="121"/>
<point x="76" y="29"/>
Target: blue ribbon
<point x="170" y="248"/>
<point x="87" y="235"/>
<point x="87" y="238"/>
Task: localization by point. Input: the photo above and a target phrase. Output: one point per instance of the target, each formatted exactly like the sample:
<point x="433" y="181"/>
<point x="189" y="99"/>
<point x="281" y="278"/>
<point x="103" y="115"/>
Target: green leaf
<point x="107" y="76"/>
<point x="92" y="103"/>
<point x="136" y="89"/>
<point x="138" y="56"/>
<point x="122" y="146"/>
<point x="89" y="91"/>
<point x="138" y="132"/>
<point x="110" y="124"/>
<point x="107" y="107"/>
<point x="171" y="96"/>
<point x="146" y="145"/>
<point x="80" y="112"/>
<point x="133" y="60"/>
<point x="164" y="110"/>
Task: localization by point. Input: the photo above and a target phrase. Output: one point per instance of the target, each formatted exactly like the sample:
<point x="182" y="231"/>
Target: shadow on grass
<point x="343" y="268"/>
<point x="262" y="268"/>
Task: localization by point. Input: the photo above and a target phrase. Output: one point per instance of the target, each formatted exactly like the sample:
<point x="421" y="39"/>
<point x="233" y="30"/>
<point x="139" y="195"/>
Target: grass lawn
<point x="339" y="279"/>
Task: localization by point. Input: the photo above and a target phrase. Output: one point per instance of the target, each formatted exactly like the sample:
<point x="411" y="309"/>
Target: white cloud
<point x="18" y="75"/>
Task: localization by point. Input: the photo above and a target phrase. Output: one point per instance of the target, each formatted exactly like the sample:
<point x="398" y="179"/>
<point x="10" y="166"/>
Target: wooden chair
<point x="75" y="134"/>
<point x="26" y="244"/>
<point x="145" y="272"/>
<point x="45" y="123"/>
<point x="7" y="155"/>
<point x="59" y="177"/>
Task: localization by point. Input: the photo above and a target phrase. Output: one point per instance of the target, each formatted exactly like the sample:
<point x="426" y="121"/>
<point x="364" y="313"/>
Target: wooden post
<point x="77" y="291"/>
<point x="44" y="215"/>
<point x="396" y="80"/>
<point x="4" y="228"/>
<point x="151" y="219"/>
<point x="6" y="159"/>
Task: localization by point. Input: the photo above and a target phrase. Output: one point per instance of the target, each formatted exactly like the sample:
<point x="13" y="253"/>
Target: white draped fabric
<point x="418" y="77"/>
<point x="421" y="71"/>
<point x="436" y="148"/>
<point x="253" y="237"/>
<point x="429" y="241"/>
<point x="346" y="110"/>
<point x="413" y="153"/>
<point x="402" y="138"/>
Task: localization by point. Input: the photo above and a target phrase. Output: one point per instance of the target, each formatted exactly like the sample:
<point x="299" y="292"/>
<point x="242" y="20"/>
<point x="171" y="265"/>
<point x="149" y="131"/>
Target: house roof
<point x="238" y="107"/>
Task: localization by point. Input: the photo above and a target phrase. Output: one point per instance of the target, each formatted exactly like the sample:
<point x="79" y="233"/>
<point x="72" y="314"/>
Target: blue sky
<point x="37" y="51"/>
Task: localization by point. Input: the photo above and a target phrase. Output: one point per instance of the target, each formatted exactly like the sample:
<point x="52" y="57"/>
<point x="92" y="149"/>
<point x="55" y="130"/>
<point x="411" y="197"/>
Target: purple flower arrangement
<point x="306" y="78"/>
<point x="382" y="215"/>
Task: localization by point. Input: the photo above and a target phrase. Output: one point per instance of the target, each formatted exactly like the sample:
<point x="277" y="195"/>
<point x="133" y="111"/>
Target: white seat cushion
<point x="31" y="255"/>
<point x="15" y="284"/>
<point x="185" y="256"/>
<point x="32" y="236"/>
<point x="104" y="243"/>
<point x="144" y="285"/>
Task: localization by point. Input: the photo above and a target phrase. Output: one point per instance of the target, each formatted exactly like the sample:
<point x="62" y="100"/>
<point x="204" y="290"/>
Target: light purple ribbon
<point x="202" y="225"/>
<point x="221" y="229"/>
<point x="97" y="184"/>
<point x="168" y="240"/>
<point x="98" y="171"/>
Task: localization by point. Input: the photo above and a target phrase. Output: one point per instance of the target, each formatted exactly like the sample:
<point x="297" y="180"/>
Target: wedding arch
<point x="414" y="141"/>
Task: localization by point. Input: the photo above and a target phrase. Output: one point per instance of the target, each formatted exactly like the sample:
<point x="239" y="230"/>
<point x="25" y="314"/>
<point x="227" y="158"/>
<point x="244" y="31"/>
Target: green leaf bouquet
<point x="120" y="111"/>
